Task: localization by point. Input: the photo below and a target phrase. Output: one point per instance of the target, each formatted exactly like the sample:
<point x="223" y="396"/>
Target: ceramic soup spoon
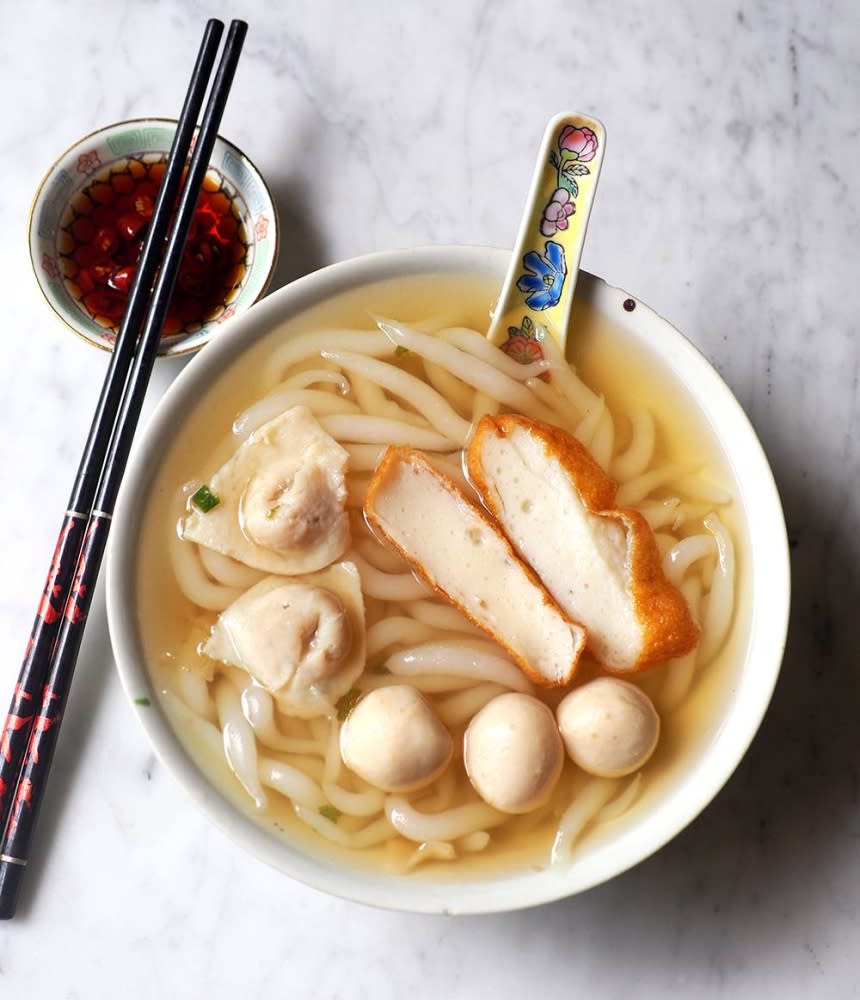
<point x="538" y="288"/>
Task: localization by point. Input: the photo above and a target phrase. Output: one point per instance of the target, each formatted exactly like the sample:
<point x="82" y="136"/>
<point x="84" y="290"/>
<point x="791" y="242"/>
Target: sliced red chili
<point x="83" y="229"/>
<point x="105" y="303"/>
<point x="108" y="230"/>
<point x="106" y="240"/>
<point x="193" y="278"/>
<point x="144" y="204"/>
<point x="86" y="255"/>
<point x="104" y="215"/>
<point x="130" y="224"/>
<point x="121" y="278"/>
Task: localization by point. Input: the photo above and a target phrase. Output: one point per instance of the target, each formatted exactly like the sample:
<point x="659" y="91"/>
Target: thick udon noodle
<point x="424" y="387"/>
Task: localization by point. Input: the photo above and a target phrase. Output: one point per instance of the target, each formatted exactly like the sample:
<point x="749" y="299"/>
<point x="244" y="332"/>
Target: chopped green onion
<point x="272" y="512"/>
<point x="330" y="813"/>
<point x="144" y="702"/>
<point x="347" y="703"/>
<point x="400" y="350"/>
<point x="204" y="499"/>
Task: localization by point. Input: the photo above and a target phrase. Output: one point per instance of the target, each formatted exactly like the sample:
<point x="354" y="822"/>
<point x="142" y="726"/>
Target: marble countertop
<point x="729" y="202"/>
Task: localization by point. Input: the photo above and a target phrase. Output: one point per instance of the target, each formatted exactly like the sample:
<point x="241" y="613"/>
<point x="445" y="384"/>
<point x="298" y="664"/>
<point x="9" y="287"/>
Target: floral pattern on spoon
<point x="539" y="286"/>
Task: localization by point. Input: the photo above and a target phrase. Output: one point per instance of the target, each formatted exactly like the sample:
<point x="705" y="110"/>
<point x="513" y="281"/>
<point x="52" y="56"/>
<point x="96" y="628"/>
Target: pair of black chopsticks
<point x="30" y="736"/>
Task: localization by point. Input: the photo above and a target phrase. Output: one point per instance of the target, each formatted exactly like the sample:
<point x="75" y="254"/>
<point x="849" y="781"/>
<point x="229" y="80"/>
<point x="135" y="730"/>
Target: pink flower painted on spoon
<point x="559" y="208"/>
<point x="581" y="142"/>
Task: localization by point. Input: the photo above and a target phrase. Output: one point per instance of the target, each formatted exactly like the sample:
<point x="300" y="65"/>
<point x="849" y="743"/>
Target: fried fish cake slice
<point x="600" y="562"/>
<point x="453" y="545"/>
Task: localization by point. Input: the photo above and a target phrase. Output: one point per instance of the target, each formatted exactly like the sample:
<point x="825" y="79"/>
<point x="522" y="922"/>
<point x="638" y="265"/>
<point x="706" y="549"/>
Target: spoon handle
<point x="538" y="288"/>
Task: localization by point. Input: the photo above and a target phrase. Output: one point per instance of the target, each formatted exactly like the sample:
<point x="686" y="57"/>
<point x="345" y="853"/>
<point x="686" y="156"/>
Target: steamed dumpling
<point x="302" y="638"/>
<point x="281" y="499"/>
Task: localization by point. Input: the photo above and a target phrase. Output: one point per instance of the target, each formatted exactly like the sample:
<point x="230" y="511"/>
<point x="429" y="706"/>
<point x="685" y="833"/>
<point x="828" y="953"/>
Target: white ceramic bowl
<point x="704" y="771"/>
<point x="104" y="155"/>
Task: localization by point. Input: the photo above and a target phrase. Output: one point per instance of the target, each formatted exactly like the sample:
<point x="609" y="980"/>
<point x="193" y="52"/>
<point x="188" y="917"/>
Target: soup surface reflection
<point x="283" y="767"/>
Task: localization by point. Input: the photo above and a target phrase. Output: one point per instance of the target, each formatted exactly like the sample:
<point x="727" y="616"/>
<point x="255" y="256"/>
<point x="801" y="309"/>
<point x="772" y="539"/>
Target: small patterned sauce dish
<point x="89" y="219"/>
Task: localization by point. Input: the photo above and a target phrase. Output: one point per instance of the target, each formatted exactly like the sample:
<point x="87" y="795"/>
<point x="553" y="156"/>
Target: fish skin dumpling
<point x="282" y="499"/>
<point x="301" y="638"/>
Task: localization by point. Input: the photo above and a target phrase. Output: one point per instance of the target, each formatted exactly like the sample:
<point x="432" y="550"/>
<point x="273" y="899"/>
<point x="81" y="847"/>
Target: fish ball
<point x="609" y="726"/>
<point x="513" y="753"/>
<point x="394" y="740"/>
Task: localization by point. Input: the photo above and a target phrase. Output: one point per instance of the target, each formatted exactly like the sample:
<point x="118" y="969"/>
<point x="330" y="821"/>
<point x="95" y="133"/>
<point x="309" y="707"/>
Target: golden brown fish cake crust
<point x="668" y="629"/>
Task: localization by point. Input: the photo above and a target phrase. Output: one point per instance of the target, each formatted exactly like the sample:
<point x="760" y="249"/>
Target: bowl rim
<point x="176" y="349"/>
<point x="495" y="893"/>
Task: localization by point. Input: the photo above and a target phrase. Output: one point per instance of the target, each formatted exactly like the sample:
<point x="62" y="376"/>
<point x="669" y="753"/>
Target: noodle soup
<point x="617" y="400"/>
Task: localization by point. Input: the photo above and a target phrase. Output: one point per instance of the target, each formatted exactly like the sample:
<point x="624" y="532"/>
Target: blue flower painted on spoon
<point x="545" y="279"/>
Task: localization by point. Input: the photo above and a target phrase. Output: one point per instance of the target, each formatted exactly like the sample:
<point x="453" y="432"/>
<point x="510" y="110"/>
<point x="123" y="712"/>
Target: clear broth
<point x="608" y="361"/>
